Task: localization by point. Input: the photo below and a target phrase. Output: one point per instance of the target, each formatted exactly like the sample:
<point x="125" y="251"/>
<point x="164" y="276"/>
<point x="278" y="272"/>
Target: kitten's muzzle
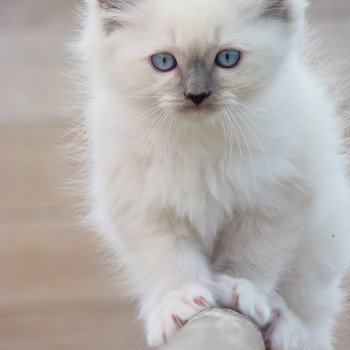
<point x="198" y="98"/>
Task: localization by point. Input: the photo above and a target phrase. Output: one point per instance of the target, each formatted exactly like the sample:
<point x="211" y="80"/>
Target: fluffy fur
<point x="242" y="202"/>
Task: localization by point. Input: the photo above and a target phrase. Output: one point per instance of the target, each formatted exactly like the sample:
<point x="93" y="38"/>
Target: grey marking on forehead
<point x="278" y="9"/>
<point x="197" y="78"/>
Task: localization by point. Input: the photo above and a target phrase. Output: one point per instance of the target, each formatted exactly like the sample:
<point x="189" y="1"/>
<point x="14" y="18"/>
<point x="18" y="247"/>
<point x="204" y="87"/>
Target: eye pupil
<point x="228" y="58"/>
<point x="164" y="62"/>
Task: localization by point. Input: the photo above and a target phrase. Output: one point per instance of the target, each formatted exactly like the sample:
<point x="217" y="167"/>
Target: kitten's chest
<point x="204" y="192"/>
<point x="209" y="191"/>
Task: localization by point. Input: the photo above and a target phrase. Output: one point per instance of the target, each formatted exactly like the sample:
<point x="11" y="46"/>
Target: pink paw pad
<point x="201" y="301"/>
<point x="177" y="320"/>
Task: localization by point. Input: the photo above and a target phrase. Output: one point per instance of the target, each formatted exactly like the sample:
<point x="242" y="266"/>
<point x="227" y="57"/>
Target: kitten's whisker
<point x="232" y="134"/>
<point x="247" y="105"/>
<point x="222" y="119"/>
<point x="241" y="86"/>
<point x="258" y="141"/>
<point x="227" y="134"/>
<point x="144" y="139"/>
<point x="159" y="126"/>
<point x="235" y="132"/>
<point x="172" y="118"/>
<point x="240" y="90"/>
<point x="154" y="133"/>
<point x="246" y="142"/>
<point x="147" y="145"/>
<point x="168" y="121"/>
<point x="131" y="95"/>
<point x="146" y="114"/>
<point x="149" y="115"/>
<point x="258" y="127"/>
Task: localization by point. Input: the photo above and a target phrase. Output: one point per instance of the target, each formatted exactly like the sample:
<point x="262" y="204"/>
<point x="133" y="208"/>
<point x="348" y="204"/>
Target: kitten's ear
<point x="285" y="10"/>
<point x="112" y="11"/>
<point x="277" y="9"/>
<point x="111" y="4"/>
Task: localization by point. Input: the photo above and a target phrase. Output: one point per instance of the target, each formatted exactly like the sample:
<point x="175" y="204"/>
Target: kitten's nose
<point x="198" y="99"/>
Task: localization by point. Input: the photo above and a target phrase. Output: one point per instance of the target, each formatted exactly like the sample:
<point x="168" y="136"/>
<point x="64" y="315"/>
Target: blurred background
<point x="53" y="291"/>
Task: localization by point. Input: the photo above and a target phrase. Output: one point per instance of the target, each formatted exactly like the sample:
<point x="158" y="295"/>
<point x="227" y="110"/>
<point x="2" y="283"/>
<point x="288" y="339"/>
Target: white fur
<point x="251" y="200"/>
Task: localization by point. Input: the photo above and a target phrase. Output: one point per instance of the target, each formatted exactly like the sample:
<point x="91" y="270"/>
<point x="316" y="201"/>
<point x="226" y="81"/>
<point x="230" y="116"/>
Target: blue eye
<point x="164" y="62"/>
<point x="228" y="58"/>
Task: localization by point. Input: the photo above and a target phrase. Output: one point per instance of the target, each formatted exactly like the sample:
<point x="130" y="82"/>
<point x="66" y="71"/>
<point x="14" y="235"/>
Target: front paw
<point x="174" y="310"/>
<point x="242" y="296"/>
<point x="286" y="332"/>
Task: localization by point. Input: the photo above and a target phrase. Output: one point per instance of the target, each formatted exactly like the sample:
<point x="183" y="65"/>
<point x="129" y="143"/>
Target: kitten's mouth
<point x="199" y="110"/>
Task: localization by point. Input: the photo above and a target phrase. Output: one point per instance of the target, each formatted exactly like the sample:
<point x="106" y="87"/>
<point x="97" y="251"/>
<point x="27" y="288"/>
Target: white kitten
<point x="217" y="167"/>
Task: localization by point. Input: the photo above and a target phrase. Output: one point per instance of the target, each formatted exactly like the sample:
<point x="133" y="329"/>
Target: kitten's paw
<point x="241" y="295"/>
<point x="286" y="332"/>
<point x="290" y="334"/>
<point x="176" y="308"/>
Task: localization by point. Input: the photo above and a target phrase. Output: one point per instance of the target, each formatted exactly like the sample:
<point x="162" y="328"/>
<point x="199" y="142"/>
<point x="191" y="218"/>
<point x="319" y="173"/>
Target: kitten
<point x="218" y="171"/>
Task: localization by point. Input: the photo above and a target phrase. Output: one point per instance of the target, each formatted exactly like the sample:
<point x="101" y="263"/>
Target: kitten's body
<point x="244" y="204"/>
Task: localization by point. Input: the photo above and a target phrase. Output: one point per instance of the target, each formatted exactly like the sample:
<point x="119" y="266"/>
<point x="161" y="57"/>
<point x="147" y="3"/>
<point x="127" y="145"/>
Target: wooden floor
<point x="53" y="293"/>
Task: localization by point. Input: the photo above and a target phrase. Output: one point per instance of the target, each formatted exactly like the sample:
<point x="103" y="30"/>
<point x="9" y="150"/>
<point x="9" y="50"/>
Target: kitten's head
<point x="192" y="55"/>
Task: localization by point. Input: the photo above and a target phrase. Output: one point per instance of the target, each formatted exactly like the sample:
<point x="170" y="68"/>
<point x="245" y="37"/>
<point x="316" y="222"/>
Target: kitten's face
<point x="197" y="57"/>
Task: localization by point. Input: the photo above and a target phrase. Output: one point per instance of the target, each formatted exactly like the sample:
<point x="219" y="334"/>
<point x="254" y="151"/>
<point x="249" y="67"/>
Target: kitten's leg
<point x="309" y="293"/>
<point x="168" y="273"/>
<point x="263" y="253"/>
<point x="250" y="276"/>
